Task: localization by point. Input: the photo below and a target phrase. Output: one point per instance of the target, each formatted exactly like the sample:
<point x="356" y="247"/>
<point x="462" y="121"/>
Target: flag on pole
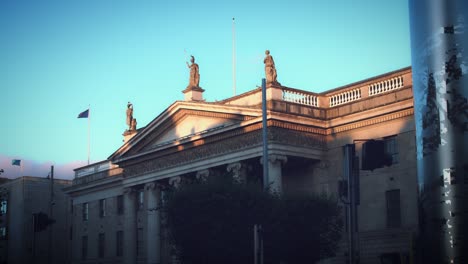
<point x="16" y="162"/>
<point x="84" y="114"/>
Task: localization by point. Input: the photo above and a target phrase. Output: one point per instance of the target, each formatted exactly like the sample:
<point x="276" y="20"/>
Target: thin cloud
<point x="37" y="169"/>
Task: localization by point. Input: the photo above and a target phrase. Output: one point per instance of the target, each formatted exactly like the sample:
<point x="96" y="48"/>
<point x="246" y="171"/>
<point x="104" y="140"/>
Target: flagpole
<point x="234" y="56"/>
<point x="89" y="124"/>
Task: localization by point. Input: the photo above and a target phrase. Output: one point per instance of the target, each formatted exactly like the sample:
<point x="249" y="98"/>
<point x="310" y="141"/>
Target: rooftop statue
<point x="194" y="80"/>
<point x="270" y="70"/>
<point x="129" y="115"/>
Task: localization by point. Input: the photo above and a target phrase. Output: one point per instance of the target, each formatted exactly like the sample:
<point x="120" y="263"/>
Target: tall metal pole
<point x="234" y="56"/>
<point x="439" y="49"/>
<point x="258" y="244"/>
<point x="89" y="124"/>
<point x="266" y="181"/>
<point x="51" y="211"/>
<point x="34" y="219"/>
<point x="348" y="163"/>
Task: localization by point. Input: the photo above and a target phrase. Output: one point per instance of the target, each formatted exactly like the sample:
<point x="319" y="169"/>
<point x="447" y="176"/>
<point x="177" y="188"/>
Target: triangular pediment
<point x="190" y="125"/>
<point x="180" y="123"/>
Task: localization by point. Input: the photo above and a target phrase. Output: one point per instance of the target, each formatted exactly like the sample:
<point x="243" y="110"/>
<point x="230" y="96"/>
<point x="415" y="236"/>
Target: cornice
<point x="186" y="154"/>
<point x="297" y="127"/>
<point x="282" y="132"/>
<point x="371" y="121"/>
<point x="92" y="185"/>
<point x="216" y="147"/>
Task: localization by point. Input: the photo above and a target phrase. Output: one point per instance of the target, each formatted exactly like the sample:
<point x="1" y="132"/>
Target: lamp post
<point x="439" y="50"/>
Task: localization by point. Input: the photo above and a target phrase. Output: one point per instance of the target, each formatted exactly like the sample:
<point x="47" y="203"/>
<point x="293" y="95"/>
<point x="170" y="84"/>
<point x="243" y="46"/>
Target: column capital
<point x="238" y="171"/>
<point x="150" y="186"/>
<point x="203" y="174"/>
<point x="129" y="191"/>
<point x="234" y="167"/>
<point x="281" y="159"/>
<point x="175" y="181"/>
<point x="278" y="159"/>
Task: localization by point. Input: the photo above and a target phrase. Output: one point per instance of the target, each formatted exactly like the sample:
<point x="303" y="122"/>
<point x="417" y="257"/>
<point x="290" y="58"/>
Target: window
<point x="71" y="206"/>
<point x="141" y="199"/>
<point x="102" y="207"/>
<point x="3" y="207"/>
<point x="85" y="211"/>
<point x="393" y="208"/>
<point x="84" y="247"/>
<point x="3" y="233"/>
<point x="119" y="244"/>
<point x="391" y="148"/>
<point x="102" y="244"/>
<point x="120" y="205"/>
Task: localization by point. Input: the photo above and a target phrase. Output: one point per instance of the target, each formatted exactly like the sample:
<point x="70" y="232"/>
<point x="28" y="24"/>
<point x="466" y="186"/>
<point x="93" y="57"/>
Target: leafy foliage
<point x="212" y="222"/>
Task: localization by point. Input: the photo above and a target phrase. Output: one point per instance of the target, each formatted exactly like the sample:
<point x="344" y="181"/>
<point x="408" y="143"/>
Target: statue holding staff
<point x="129" y="115"/>
<point x="194" y="80"/>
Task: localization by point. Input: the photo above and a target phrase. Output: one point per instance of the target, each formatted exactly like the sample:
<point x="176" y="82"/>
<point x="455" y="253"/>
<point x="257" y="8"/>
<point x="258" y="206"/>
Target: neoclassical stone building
<point x="115" y="216"/>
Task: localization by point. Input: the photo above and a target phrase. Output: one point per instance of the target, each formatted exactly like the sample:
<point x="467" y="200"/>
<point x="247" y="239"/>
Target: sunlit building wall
<point x="115" y="202"/>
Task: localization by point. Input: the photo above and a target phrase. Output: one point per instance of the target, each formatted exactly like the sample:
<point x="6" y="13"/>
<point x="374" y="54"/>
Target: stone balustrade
<point x="94" y="169"/>
<point x="342" y="95"/>
<point x="96" y="176"/>
<point x="351" y="93"/>
<point x="300" y="97"/>
<point x="345" y="97"/>
<point x="386" y="85"/>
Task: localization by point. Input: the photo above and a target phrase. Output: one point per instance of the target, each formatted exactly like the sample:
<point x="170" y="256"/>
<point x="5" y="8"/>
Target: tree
<point x="306" y="228"/>
<point x="212" y="222"/>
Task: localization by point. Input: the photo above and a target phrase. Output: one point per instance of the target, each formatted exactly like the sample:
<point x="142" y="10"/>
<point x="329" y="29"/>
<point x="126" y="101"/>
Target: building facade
<point x="115" y="202"/>
<point x="19" y="241"/>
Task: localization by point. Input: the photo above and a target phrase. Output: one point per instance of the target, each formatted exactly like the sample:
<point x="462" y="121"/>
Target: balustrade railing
<point x="345" y="97"/>
<point x="300" y="98"/>
<point x="386" y="85"/>
<point x="98" y="167"/>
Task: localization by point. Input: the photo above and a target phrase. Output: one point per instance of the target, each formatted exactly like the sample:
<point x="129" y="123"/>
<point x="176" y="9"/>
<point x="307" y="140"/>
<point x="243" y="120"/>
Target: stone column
<point x="153" y="240"/>
<point x="174" y="182"/>
<point x="129" y="256"/>
<point x="275" y="179"/>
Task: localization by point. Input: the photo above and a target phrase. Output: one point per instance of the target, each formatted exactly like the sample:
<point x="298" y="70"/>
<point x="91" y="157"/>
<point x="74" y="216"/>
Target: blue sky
<point x="58" y="57"/>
